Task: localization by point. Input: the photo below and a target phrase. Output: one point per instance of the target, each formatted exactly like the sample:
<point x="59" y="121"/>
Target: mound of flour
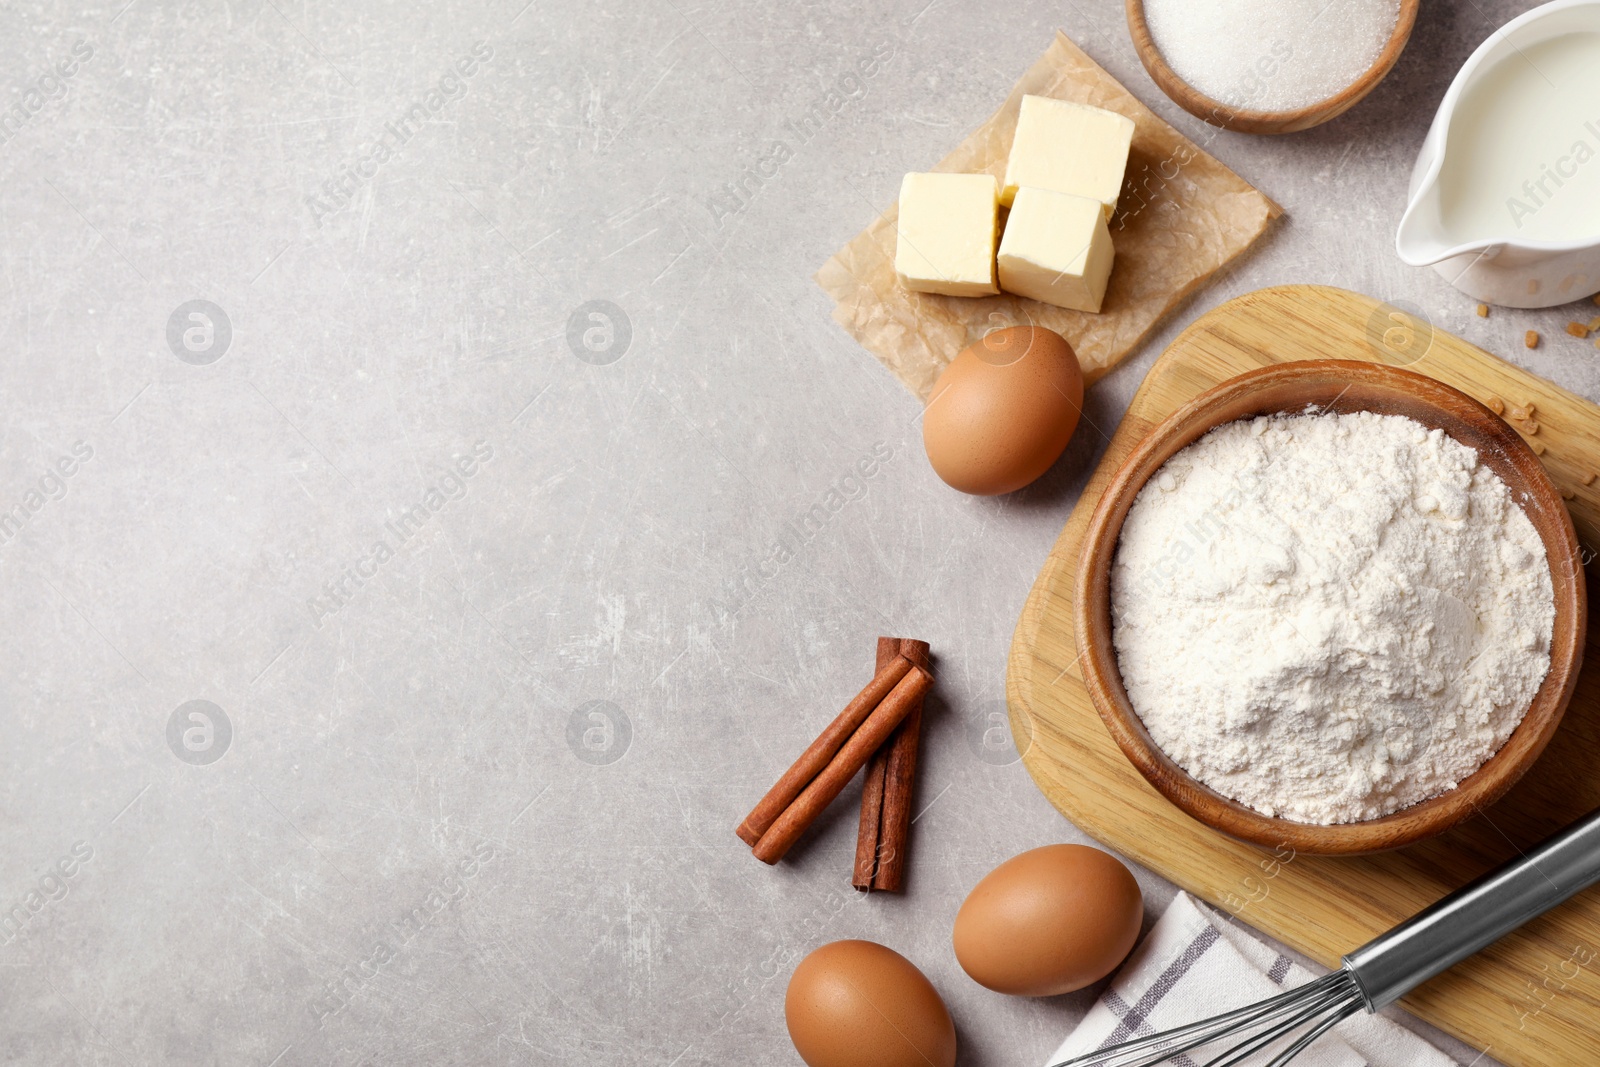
<point x="1330" y="617"/>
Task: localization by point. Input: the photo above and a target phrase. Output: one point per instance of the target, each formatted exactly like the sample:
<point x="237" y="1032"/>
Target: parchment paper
<point x="1182" y="216"/>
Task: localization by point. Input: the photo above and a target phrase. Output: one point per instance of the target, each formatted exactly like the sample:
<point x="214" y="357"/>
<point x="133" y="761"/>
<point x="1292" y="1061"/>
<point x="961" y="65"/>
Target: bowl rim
<point x="1255" y="120"/>
<point x="1252" y="393"/>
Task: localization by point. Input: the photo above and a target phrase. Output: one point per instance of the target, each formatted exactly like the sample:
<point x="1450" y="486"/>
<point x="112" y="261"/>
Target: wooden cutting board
<point x="1533" y="998"/>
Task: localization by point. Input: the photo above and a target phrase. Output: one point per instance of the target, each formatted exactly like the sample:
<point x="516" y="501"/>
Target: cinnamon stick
<point x="892" y="775"/>
<point x="822" y="750"/>
<point x="787" y="827"/>
<point x="871" y="822"/>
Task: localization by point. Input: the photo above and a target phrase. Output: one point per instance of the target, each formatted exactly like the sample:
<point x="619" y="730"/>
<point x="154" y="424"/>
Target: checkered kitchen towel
<point x="1196" y="964"/>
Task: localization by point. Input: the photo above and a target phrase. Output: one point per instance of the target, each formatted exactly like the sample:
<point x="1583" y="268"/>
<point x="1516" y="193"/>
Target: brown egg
<point x="1003" y="410"/>
<point x="1049" y="921"/>
<point x="858" y="1004"/>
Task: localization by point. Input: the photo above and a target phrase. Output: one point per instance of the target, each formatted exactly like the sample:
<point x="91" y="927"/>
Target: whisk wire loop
<point x="1314" y="1009"/>
<point x="1266" y="1023"/>
<point x="1315" y="1032"/>
<point x="1388" y="966"/>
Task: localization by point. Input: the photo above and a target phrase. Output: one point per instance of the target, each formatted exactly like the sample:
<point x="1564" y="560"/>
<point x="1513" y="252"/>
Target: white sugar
<point x="1270" y="55"/>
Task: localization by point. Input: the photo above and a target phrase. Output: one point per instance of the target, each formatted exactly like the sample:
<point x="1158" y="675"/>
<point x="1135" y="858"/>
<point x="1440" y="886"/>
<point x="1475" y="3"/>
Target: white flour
<point x="1330" y="617"/>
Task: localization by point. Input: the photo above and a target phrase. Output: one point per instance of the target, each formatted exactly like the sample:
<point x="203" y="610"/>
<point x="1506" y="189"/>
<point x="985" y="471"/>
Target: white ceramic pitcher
<point x="1503" y="270"/>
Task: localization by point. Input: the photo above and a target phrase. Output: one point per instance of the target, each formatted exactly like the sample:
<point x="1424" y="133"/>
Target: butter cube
<point x="1070" y="148"/>
<point x="948" y="226"/>
<point x="1057" y="249"/>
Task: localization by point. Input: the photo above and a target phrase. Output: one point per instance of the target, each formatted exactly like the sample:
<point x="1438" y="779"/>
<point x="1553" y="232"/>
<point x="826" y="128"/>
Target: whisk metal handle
<point x="1477" y="914"/>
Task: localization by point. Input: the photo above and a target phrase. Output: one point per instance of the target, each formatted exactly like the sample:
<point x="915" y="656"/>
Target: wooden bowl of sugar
<point x="1269" y="66"/>
<point x="1343" y="386"/>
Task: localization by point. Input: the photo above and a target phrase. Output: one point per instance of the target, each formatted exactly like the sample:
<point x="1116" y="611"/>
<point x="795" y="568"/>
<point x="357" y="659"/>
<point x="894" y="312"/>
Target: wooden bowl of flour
<point x="1340" y="386"/>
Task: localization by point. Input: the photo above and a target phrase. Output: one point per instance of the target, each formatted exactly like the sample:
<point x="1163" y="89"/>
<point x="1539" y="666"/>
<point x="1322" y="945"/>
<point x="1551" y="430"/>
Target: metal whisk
<point x="1387" y="967"/>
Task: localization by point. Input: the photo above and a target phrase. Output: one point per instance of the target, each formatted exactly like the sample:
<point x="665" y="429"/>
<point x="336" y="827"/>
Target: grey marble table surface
<point x="399" y="411"/>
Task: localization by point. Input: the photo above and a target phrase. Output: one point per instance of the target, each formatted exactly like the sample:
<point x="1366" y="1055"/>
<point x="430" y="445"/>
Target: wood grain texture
<point x="1534" y="997"/>
<point x="1251" y="120"/>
